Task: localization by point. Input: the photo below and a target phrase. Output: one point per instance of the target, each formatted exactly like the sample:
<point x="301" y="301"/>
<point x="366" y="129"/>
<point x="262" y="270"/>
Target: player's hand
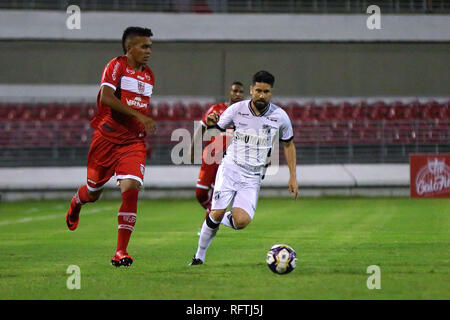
<point x="149" y="123"/>
<point x="293" y="187"/>
<point x="212" y="119"/>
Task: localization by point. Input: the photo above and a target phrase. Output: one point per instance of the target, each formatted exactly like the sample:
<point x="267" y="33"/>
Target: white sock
<point x="209" y="230"/>
<point x="227" y="220"/>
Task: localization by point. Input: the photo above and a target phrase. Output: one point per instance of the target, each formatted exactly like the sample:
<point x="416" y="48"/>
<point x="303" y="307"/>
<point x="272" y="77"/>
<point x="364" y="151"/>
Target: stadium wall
<point x="200" y="54"/>
<point x="179" y="181"/>
<point x="207" y="69"/>
<point x="98" y="25"/>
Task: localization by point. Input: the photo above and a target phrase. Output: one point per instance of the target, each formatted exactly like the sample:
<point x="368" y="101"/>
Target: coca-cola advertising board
<point x="430" y="175"/>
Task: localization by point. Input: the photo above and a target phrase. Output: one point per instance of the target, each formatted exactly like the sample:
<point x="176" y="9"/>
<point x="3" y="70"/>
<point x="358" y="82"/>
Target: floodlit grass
<point x="336" y="239"/>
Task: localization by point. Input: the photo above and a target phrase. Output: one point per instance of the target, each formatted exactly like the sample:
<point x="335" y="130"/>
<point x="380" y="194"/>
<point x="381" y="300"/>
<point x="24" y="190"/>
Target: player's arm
<point x="291" y="158"/>
<point x="108" y="98"/>
<point x="221" y="122"/>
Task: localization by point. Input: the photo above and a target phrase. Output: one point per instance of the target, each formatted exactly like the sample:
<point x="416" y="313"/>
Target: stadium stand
<point x="59" y="133"/>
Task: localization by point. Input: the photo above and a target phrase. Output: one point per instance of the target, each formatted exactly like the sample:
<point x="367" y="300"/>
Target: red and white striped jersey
<point x="134" y="89"/>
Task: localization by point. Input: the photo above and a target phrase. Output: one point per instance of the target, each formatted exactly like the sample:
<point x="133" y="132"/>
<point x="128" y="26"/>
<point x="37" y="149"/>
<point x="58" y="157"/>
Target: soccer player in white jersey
<point x="257" y="123"/>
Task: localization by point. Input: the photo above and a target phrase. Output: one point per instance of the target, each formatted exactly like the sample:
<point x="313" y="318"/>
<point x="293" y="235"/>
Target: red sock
<point x="82" y="196"/>
<point x="127" y="218"/>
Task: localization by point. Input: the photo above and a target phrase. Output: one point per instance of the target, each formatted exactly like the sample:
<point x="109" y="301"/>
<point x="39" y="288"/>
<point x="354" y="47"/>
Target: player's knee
<point x="217" y="215"/>
<point x="241" y="219"/>
<point x="94" y="195"/>
<point x="129" y="184"/>
<point x="202" y="197"/>
<point x="241" y="223"/>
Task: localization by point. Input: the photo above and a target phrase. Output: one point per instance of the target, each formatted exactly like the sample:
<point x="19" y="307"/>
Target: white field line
<point x="53" y="216"/>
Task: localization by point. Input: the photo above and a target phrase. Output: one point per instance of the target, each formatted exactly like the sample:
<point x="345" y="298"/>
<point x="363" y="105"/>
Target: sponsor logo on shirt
<point x="136" y="102"/>
<point x="251" y="139"/>
<point x="114" y="74"/>
<point x="245" y="115"/>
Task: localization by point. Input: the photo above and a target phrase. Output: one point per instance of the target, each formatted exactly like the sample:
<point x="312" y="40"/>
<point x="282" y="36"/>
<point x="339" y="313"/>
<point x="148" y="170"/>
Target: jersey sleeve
<point x="226" y="119"/>
<point x="111" y="74"/>
<point x="286" y="131"/>
<point x="203" y="120"/>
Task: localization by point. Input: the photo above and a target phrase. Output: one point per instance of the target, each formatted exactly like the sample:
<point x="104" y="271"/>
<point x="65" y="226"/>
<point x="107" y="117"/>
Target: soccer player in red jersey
<point x="118" y="143"/>
<point x="205" y="182"/>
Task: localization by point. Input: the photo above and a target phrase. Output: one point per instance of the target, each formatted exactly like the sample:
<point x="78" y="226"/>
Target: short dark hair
<point x="238" y="83"/>
<point x="263" y="76"/>
<point x="134" y="31"/>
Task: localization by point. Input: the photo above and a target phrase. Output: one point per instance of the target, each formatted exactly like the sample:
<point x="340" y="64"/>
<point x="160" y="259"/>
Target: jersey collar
<point x="261" y="113"/>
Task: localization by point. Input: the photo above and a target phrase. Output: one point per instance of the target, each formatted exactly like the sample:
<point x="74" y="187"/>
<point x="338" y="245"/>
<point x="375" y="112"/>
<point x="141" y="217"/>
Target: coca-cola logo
<point x="434" y="178"/>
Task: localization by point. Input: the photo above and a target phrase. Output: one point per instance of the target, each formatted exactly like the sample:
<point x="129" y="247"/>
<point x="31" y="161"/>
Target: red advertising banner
<point x="430" y="175"/>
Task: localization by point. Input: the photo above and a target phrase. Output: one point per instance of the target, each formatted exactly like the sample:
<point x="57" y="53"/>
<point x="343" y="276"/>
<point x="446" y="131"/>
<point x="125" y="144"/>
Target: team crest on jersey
<point x="131" y="71"/>
<point x="147" y="76"/>
<point x="267" y="128"/>
<point x="141" y="87"/>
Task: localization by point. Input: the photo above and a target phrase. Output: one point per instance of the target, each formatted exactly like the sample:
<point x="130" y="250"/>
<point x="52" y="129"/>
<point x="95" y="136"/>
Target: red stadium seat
<point x="162" y="111"/>
<point x="288" y="108"/>
<point x="434" y="110"/>
<point x="179" y="111"/>
<point x="195" y="111"/>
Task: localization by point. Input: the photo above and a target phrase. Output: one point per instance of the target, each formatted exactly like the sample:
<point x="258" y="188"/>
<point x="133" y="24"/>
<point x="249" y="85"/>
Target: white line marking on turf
<point x="53" y="216"/>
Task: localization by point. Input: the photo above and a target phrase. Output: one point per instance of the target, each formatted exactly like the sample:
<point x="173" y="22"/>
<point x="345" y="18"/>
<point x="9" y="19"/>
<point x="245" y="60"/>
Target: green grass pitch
<point x="336" y="239"/>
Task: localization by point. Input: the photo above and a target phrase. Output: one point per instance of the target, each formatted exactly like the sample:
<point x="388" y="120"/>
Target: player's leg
<point x="126" y="220"/>
<point x="130" y="175"/>
<point x="203" y="194"/>
<point x="208" y="232"/>
<point x="222" y="197"/>
<point x="237" y="218"/>
<point x="205" y="181"/>
<point x="244" y="205"/>
<point x="97" y="176"/>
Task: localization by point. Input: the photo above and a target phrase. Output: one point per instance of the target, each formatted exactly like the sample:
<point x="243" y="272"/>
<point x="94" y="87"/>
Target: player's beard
<point x="260" y="104"/>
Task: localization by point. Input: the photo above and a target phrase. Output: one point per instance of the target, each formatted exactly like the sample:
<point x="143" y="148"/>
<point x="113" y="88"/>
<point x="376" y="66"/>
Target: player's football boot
<point x="121" y="259"/>
<point x="73" y="215"/>
<point x="195" y="262"/>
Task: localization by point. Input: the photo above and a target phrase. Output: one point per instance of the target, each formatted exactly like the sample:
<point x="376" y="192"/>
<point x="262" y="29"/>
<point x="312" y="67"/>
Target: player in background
<point x="257" y="123"/>
<point x="118" y="143"/>
<point x="211" y="159"/>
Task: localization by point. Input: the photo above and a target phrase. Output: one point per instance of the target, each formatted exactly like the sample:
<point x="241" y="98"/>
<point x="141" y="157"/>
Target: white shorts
<point x="235" y="185"/>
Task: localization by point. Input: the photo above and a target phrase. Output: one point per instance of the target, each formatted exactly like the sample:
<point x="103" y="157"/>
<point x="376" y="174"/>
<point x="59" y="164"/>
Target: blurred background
<point x="361" y="100"/>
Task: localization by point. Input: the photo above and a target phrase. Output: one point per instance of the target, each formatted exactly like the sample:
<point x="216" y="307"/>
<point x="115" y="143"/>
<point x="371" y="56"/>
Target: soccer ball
<point x="281" y="259"/>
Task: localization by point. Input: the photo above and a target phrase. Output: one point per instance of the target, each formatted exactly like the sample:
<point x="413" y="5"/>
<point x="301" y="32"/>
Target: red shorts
<point x="207" y="175"/>
<point x="211" y="158"/>
<point x="106" y="159"/>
